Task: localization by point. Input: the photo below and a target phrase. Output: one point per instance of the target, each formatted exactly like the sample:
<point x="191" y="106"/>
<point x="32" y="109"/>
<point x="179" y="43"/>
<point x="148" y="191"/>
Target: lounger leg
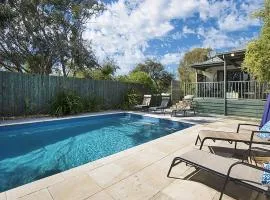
<point x="198" y="139"/>
<point x="172" y="165"/>
<point x="224" y="187"/>
<point x="235" y="145"/>
<point x="202" y="144"/>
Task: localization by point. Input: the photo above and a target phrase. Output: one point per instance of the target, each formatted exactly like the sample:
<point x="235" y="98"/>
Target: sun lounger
<point x="231" y="137"/>
<point x="145" y="104"/>
<point x="163" y="105"/>
<point x="237" y="171"/>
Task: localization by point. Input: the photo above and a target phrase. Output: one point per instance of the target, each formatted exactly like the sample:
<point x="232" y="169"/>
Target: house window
<point x="201" y="78"/>
<point x="232" y="75"/>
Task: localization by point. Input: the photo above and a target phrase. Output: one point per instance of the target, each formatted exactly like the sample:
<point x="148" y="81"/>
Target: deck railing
<point x="234" y="89"/>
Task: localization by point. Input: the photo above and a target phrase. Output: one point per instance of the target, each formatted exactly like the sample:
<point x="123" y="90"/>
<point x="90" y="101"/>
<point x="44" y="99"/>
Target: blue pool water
<point x="33" y="151"/>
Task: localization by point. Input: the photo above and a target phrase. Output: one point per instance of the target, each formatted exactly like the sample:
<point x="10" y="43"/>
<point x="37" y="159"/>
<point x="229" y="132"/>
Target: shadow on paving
<point x="233" y="190"/>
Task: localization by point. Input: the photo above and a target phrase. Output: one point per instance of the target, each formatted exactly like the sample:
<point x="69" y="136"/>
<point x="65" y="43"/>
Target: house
<point x="244" y="95"/>
<point x="212" y="70"/>
<point x="237" y="85"/>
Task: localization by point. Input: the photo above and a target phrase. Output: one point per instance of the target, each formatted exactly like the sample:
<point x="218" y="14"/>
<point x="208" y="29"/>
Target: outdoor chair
<point x="238" y="171"/>
<point x="145" y="103"/>
<point x="183" y="106"/>
<point x="163" y="105"/>
<point x="256" y="136"/>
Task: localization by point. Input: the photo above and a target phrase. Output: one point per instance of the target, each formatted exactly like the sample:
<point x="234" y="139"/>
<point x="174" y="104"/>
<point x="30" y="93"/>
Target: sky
<point x="130" y="31"/>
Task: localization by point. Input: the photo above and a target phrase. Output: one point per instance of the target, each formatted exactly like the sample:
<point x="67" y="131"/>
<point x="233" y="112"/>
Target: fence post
<point x="225" y="86"/>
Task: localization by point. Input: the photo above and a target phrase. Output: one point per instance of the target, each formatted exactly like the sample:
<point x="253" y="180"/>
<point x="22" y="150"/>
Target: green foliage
<point x="39" y="36"/>
<point x="27" y="105"/>
<point x="257" y="57"/>
<point x="142" y="78"/>
<point x="66" y="103"/>
<point x="156" y="71"/>
<point x="132" y="98"/>
<point x="91" y="104"/>
<point x="105" y="72"/>
<point x="197" y="55"/>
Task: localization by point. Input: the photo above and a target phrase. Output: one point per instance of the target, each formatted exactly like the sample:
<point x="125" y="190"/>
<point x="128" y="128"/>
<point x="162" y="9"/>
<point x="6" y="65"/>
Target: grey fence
<point x="176" y="92"/>
<point x="32" y="94"/>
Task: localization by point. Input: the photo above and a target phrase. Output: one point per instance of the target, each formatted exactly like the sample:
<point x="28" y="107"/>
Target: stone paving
<point x="140" y="172"/>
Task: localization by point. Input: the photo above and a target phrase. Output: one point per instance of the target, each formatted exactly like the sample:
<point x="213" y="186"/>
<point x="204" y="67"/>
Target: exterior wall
<point x="244" y="107"/>
<point x="211" y="74"/>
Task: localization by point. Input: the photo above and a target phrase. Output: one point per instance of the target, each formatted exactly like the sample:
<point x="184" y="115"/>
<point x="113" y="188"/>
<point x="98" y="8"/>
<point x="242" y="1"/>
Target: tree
<point x="257" y="57"/>
<point x="142" y="78"/>
<point x="197" y="55"/>
<point x="156" y="71"/>
<point x="44" y="35"/>
<point x="104" y="72"/>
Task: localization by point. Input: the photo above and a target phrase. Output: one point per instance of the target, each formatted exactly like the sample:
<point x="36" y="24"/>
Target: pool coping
<point x="39" y="184"/>
<point x="49" y="119"/>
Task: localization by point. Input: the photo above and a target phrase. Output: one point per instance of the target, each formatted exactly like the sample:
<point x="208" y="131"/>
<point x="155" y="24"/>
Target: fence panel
<point x="176" y="92"/>
<point x="22" y="94"/>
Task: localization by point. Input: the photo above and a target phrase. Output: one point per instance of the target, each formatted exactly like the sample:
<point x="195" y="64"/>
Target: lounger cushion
<point x="266" y="127"/>
<point x="266" y="175"/>
<point x="220" y="165"/>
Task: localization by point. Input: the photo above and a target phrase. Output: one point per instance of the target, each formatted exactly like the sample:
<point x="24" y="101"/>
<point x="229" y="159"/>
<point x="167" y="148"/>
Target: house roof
<point x="213" y="62"/>
<point x="231" y="57"/>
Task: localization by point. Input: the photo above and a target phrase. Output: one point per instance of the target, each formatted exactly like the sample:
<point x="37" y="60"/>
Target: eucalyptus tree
<point x="39" y="36"/>
<point x="196" y="55"/>
<point x="257" y="58"/>
<point x="156" y="71"/>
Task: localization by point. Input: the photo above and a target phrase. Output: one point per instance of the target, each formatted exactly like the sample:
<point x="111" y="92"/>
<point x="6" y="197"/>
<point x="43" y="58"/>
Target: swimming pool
<point x="33" y="151"/>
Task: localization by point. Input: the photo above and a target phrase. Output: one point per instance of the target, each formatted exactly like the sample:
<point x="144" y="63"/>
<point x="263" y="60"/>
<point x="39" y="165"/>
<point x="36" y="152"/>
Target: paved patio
<point x="140" y="173"/>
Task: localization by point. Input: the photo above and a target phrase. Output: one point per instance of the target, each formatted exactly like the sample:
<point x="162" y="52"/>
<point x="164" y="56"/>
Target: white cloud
<point x="124" y="29"/>
<point x="217" y="39"/>
<point x="187" y="30"/>
<point x="171" y="58"/>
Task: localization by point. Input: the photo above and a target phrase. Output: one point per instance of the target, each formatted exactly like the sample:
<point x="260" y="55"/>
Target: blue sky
<point x="129" y="31"/>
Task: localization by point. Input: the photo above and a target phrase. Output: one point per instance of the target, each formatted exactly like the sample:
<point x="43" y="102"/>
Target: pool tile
<point x="114" y="172"/>
<point x="100" y="196"/>
<point x="132" y="188"/>
<point x="34" y="186"/>
<point x="185" y="190"/>
<point x="79" y="187"/>
<point x="40" y="195"/>
<point x="3" y="196"/>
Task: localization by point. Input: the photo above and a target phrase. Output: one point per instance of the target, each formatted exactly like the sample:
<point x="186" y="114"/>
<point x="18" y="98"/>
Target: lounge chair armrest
<point x="230" y="169"/>
<point x="239" y="126"/>
<point x="251" y="139"/>
<point x="253" y="133"/>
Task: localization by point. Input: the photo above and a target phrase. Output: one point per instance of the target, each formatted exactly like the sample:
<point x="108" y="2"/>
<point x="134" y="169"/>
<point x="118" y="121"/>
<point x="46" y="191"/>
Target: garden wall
<point x="22" y="94"/>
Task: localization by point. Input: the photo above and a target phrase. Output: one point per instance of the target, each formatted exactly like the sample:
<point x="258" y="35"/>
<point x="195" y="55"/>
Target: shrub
<point x="92" y="104"/>
<point x="132" y="98"/>
<point x="66" y="103"/>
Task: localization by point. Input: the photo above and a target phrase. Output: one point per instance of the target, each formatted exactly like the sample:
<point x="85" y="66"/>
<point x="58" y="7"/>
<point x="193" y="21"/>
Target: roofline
<point x="219" y="55"/>
<point x="208" y="65"/>
<point x="240" y="51"/>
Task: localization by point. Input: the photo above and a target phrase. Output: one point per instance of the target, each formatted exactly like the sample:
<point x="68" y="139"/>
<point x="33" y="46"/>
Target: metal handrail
<point x="235" y="89"/>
